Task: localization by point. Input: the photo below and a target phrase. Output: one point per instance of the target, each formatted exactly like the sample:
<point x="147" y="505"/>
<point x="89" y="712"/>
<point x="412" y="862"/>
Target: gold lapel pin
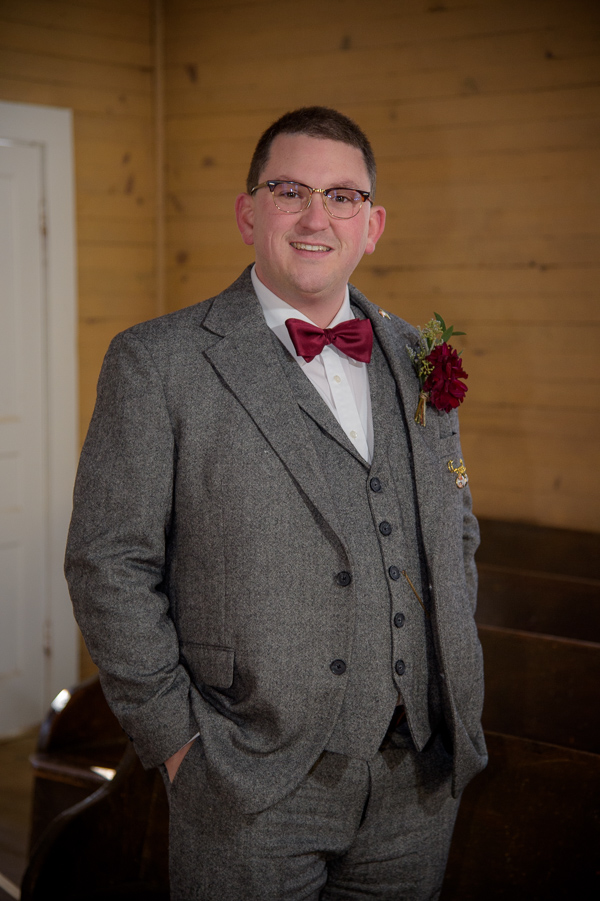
<point x="460" y="471"/>
<point x="383" y="314"/>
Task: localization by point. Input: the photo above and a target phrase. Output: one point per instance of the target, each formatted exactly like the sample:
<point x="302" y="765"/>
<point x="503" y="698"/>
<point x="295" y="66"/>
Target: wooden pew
<point x="94" y="838"/>
<point x="529" y="826"/>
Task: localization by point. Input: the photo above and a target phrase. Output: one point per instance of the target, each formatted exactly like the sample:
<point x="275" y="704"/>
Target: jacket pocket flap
<point x="209" y="664"/>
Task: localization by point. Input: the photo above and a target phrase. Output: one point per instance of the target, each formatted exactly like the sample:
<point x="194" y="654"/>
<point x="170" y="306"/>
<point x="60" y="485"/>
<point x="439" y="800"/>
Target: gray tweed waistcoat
<point x="392" y="652"/>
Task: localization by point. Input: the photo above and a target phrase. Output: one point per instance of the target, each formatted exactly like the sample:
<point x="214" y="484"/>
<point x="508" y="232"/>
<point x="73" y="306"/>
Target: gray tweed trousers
<point x="352" y="829"/>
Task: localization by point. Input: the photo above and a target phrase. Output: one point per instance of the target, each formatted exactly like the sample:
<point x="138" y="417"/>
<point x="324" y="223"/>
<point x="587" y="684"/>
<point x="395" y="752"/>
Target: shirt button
<point x="400" y="667"/>
<point x="338" y="667"/>
<point x="375" y="484"/>
<point x="399" y="620"/>
<point x="394" y="573"/>
<point x="343" y="578"/>
<point x="353" y="434"/>
<point x="385" y="528"/>
<point x="337" y="379"/>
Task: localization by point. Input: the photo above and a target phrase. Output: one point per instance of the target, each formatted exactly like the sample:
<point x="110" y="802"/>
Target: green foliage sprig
<point x="434" y="333"/>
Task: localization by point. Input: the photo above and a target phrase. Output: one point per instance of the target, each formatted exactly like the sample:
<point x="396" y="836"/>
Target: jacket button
<point x="343" y="578"/>
<point x="400" y="667"/>
<point x="394" y="573"/>
<point x="338" y="667"/>
<point x="375" y="484"/>
<point x="385" y="528"/>
<point x="399" y="620"/>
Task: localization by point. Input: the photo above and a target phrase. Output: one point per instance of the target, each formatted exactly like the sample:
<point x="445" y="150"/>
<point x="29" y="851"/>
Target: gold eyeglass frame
<point x="271" y="185"/>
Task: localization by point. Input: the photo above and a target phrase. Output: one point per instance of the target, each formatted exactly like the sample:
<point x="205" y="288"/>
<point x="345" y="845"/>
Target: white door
<point x="23" y="450"/>
<point x="38" y="409"/>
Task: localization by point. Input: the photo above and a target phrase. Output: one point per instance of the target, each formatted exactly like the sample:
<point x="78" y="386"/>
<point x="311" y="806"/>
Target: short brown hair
<point x="317" y="122"/>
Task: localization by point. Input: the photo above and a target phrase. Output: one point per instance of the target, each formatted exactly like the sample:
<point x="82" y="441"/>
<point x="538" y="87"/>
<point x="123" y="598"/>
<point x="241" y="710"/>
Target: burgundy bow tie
<point x="353" y="337"/>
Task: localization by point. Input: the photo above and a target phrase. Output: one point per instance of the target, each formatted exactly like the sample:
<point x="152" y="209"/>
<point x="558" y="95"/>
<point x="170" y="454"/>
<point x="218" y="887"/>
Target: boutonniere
<point x="438" y="367"/>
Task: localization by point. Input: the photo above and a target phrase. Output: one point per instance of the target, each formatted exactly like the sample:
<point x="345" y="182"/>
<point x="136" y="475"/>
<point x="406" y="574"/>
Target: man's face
<point x="307" y="258"/>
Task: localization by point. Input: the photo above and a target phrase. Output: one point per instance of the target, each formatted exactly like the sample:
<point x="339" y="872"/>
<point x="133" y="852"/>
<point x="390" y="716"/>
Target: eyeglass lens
<point x="342" y="203"/>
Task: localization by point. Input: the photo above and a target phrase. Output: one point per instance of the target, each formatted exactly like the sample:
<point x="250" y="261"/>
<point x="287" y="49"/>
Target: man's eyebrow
<point x="340" y="183"/>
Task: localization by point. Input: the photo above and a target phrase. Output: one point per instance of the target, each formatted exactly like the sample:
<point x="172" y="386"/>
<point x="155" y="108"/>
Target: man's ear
<point x="244" y="215"/>
<point x="376" y="226"/>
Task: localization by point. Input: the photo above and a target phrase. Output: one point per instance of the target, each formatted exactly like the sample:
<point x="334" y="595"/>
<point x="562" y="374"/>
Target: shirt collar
<point x="276" y="311"/>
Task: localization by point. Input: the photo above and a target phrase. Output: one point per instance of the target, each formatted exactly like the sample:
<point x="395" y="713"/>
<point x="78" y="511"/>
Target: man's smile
<point x="300" y="246"/>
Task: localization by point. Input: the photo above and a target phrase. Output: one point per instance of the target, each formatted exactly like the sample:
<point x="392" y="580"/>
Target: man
<point x="272" y="564"/>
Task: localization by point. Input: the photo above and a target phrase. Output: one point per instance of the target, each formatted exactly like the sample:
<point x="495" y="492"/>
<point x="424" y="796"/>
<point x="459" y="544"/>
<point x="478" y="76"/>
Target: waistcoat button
<point x="338" y="667"/>
<point x="400" y="667"/>
<point x="399" y="620"/>
<point x="343" y="578"/>
<point x="394" y="573"/>
<point x="375" y="484"/>
<point x="385" y="528"/>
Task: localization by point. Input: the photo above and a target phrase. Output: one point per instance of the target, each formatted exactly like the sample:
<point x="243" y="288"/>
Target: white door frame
<point x="52" y="129"/>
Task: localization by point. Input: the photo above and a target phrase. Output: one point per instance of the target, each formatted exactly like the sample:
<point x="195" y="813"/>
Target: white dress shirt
<point x="342" y="382"/>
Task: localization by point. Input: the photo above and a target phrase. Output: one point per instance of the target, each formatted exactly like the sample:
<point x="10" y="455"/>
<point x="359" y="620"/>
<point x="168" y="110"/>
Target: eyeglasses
<point x="293" y="197"/>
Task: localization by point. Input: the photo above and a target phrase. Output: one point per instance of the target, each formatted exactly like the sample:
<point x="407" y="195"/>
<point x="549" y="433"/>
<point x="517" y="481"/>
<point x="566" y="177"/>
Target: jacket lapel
<point x="247" y="360"/>
<point x="248" y="363"/>
<point x="309" y="400"/>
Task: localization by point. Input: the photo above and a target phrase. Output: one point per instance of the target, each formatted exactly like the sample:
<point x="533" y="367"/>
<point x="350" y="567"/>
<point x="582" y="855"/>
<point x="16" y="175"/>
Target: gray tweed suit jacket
<point x="204" y="551"/>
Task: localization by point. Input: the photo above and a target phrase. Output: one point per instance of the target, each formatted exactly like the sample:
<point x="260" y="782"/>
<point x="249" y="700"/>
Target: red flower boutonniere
<point x="438" y="367"/>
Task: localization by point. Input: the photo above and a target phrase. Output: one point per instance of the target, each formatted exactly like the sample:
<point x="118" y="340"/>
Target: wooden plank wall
<point x="485" y="118"/>
<point x="96" y="57"/>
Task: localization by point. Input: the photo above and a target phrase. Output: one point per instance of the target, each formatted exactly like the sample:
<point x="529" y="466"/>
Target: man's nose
<point x="316" y="216"/>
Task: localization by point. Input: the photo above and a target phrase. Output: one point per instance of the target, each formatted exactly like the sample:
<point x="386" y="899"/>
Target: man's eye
<point x="288" y="191"/>
<point x="341" y="198"/>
